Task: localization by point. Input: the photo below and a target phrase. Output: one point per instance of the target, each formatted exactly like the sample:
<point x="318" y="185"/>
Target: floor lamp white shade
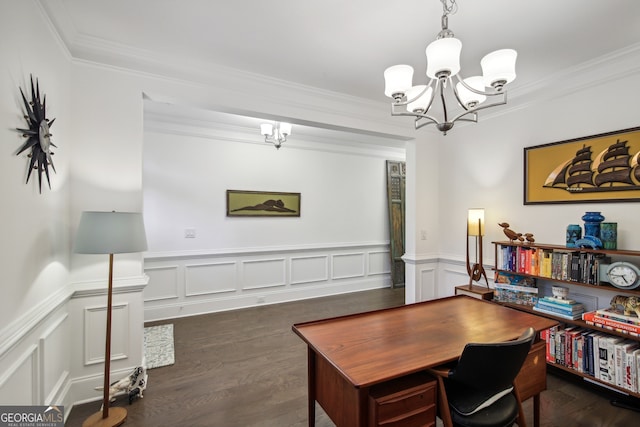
<point x="109" y="233"/>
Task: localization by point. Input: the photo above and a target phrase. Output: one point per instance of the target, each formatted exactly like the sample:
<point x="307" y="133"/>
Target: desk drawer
<point x="405" y="402"/>
<point x="532" y="378"/>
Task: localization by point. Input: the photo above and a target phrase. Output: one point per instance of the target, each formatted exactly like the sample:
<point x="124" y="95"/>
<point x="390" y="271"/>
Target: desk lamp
<point x="109" y="233"/>
<point x="475" y="227"/>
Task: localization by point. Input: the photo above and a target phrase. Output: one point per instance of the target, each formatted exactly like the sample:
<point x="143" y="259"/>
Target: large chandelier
<point x="443" y="64"/>
<point x="275" y="133"/>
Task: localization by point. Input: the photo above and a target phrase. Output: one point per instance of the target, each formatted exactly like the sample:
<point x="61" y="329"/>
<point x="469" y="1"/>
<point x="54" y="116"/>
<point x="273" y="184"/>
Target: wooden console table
<point x="349" y="355"/>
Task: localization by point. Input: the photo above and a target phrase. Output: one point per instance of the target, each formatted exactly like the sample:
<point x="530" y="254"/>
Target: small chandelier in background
<point x="276" y="134"/>
<point x="443" y="63"/>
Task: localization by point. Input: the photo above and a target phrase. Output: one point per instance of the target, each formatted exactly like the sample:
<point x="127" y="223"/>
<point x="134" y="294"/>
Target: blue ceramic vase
<point x="592" y="222"/>
<point x="574" y="233"/>
<point x="609" y="235"/>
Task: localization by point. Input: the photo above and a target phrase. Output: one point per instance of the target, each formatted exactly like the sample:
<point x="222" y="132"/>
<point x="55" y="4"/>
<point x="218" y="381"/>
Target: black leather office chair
<point x="479" y="390"/>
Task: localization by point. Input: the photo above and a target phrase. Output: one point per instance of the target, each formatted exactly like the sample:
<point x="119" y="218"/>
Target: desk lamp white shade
<point x="476" y="222"/>
<point x="109" y="233"/>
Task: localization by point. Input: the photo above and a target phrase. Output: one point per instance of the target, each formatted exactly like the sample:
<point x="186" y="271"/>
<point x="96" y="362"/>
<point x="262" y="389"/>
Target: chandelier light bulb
<point x="499" y="68"/>
<point x="443" y="56"/>
<point x="468" y="97"/>
<point x="397" y="80"/>
<point x="266" y="129"/>
<point x="418" y="101"/>
<point x="285" y="129"/>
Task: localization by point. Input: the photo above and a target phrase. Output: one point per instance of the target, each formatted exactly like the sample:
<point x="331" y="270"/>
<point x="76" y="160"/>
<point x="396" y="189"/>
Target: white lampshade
<point x="443" y="55"/>
<point x="266" y="129"/>
<point x="420" y="103"/>
<point x="285" y="128"/>
<point x="499" y="65"/>
<point x="475" y="222"/>
<point x="468" y="97"/>
<point x="397" y="79"/>
<point x="110" y="233"/>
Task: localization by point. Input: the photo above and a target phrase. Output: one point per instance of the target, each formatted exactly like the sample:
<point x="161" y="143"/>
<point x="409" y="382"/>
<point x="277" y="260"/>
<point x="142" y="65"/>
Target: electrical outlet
<point x="423" y="234"/>
<point x="189" y="233"/>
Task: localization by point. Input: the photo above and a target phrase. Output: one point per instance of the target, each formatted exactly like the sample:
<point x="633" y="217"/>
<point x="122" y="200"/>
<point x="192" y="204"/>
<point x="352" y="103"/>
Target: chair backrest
<point x="492" y="367"/>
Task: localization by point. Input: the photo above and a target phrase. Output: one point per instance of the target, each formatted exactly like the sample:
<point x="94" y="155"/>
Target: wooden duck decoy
<point x="512" y="235"/>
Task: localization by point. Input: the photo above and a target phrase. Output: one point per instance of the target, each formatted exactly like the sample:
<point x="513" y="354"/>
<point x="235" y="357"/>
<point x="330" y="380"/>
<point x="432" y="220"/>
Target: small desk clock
<point x="623" y="275"/>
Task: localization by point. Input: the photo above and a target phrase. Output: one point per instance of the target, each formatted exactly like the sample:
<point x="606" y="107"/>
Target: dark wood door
<point x="396" y="178"/>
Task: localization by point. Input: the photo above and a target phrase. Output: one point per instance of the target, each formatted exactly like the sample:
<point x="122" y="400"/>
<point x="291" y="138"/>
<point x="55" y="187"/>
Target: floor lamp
<point x="475" y="227"/>
<point x="109" y="233"/>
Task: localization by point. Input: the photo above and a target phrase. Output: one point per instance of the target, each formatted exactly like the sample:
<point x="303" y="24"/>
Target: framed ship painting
<point x="262" y="203"/>
<point x="597" y="168"/>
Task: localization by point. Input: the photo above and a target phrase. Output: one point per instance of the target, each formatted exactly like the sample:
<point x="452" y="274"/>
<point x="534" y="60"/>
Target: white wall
<point x="482" y="166"/>
<point x="34" y="249"/>
<point x="338" y="244"/>
<point x="51" y="318"/>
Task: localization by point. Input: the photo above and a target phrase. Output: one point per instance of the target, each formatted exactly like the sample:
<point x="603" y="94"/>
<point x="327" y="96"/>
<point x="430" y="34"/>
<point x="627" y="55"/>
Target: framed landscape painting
<point x="262" y="203"/>
<point x="597" y="168"/>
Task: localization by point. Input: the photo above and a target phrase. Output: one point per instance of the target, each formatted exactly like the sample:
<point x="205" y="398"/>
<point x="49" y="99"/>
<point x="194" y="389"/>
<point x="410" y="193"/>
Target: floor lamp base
<point x="117" y="416"/>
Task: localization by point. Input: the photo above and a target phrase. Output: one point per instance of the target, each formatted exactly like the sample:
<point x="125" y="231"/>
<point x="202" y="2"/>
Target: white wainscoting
<point x="54" y="353"/>
<point x="35" y="352"/>
<point x="19" y="383"/>
<point x="54" y="365"/>
<point x="186" y="284"/>
<point x="95" y="322"/>
<point x="436" y="277"/>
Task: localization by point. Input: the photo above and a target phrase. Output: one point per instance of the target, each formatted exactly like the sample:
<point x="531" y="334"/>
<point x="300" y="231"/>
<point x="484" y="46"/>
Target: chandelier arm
<point x="474" y="110"/>
<point x="474" y="90"/>
<point x="461" y="118"/>
<point x="433" y="93"/>
<point x="431" y="122"/>
<point x="417" y="117"/>
<point x="415" y="98"/>
<point x="445" y="113"/>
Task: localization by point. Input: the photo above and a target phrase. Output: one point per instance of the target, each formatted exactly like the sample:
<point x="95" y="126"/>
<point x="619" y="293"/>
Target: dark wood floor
<point x="247" y="368"/>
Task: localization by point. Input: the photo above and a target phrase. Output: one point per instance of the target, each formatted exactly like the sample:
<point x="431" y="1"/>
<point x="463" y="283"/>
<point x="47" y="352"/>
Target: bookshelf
<point x="584" y="279"/>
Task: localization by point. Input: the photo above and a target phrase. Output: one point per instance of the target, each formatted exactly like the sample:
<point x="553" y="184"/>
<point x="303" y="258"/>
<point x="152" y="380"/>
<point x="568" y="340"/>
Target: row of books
<point x="515" y="289"/>
<point x="553" y="263"/>
<point x="564" y="308"/>
<point x="611" y="359"/>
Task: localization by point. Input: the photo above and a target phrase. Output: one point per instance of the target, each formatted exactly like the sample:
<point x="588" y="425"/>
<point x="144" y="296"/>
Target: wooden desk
<point x="348" y="355"/>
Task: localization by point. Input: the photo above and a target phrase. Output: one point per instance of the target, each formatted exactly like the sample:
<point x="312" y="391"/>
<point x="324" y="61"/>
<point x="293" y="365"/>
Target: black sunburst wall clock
<point x="38" y="135"/>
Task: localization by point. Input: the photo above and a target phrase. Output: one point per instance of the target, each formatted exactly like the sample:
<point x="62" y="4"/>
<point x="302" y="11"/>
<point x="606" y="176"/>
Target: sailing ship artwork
<point x="598" y="168"/>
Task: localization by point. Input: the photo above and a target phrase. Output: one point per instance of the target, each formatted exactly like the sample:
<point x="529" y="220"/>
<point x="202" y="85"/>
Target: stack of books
<point x="564" y="308"/>
<point x="615" y="320"/>
<point x="515" y="289"/>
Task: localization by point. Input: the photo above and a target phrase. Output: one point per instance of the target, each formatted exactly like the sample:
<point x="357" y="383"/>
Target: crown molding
<point x="335" y="142"/>
<point x="290" y="96"/>
<point x="615" y="65"/>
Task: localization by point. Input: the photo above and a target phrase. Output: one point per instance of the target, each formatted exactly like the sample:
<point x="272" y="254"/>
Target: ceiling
<point x="345" y="45"/>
